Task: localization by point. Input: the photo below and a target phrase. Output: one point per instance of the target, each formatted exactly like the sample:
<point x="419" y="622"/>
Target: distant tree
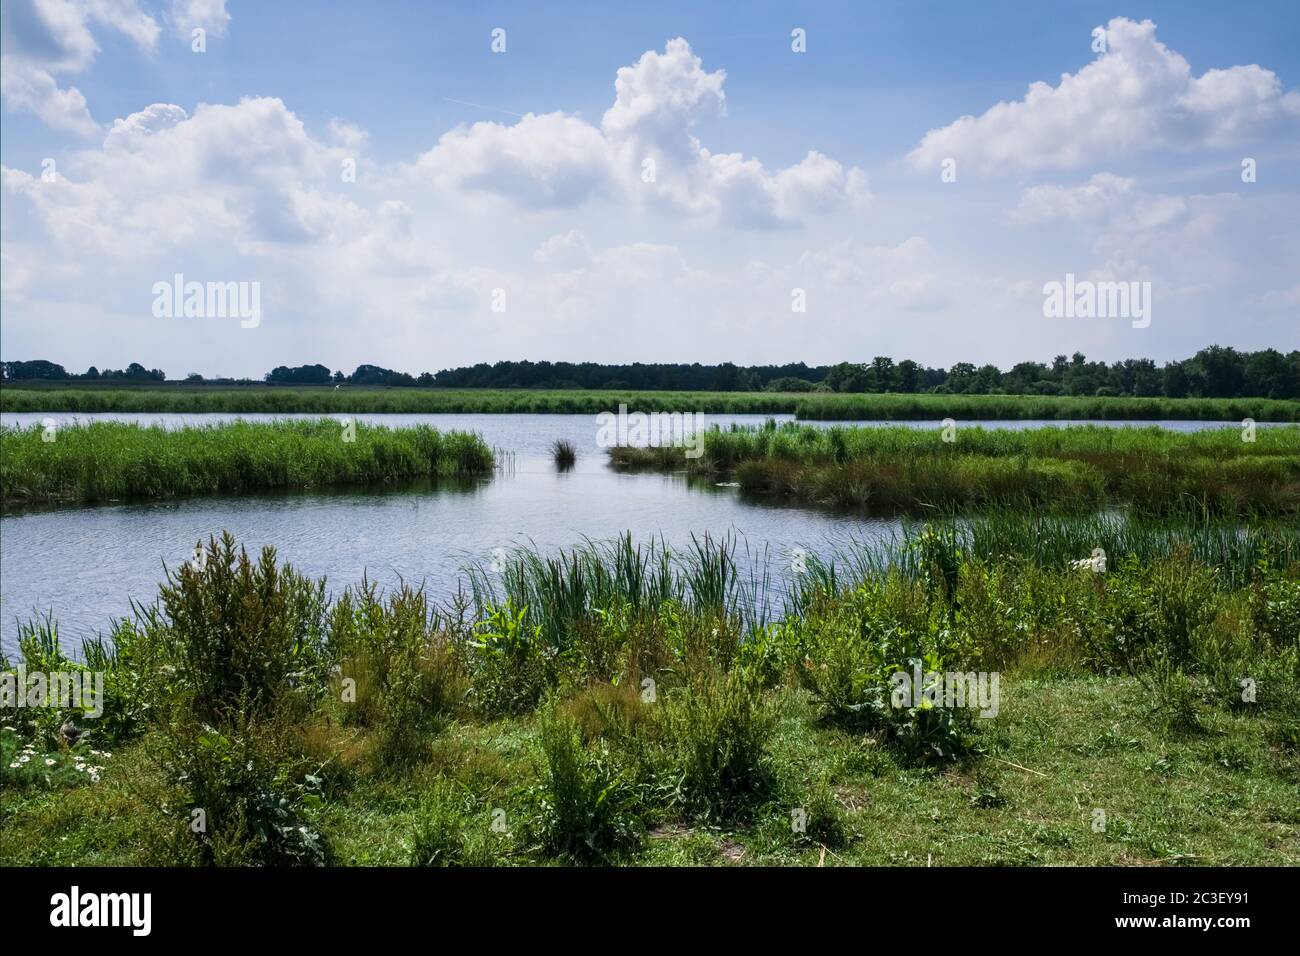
<point x="35" y="369"/>
<point x="1174" y="381"/>
<point x="961" y="377"/>
<point x="1217" y="372"/>
<point x="789" y="384"/>
<point x="1268" y="374"/>
<point x="882" y="376"/>
<point x="988" y="379"/>
<point x="377" y="375"/>
<point x="909" y="376"/>
<point x="727" y="378"/>
<point x="1023" y="376"/>
<point x="301" y="375"/>
<point x="847" y="377"/>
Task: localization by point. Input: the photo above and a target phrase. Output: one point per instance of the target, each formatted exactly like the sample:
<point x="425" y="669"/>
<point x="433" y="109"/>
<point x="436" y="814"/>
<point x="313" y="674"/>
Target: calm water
<point x="87" y="564"/>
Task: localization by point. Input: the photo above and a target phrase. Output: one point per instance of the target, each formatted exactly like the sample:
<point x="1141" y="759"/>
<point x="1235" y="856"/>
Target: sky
<point x="428" y="185"/>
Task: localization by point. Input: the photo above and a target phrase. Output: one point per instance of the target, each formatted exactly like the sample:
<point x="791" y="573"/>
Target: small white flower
<point x="49" y="761"/>
<point x="15" y="764"/>
<point x="94" y="778"/>
<point x="24" y="758"/>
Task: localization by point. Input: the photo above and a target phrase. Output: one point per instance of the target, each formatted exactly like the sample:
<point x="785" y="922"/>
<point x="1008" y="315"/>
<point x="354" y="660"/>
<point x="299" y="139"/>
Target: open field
<point x="60" y="397"/>
<point x="619" y="704"/>
<point x="903" y="470"/>
<point x="113" y="460"/>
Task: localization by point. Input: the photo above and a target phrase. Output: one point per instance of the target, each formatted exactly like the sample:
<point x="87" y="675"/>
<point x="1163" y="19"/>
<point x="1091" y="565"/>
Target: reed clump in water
<point x="915" y="471"/>
<point x="116" y="460"/>
<point x="564" y="454"/>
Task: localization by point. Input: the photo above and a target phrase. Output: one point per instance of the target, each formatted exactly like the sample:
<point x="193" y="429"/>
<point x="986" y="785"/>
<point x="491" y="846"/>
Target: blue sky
<point x="807" y="171"/>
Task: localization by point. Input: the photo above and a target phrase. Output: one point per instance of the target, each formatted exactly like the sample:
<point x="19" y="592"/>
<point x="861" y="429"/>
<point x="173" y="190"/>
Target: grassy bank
<point x="892" y="407"/>
<point x="112" y="460"/>
<point x="897" y="407"/>
<point x="906" y="470"/>
<point x="633" y="711"/>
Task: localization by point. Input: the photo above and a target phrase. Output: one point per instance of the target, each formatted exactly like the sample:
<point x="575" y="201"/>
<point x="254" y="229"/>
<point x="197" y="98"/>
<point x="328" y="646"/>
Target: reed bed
<point x="926" y="407"/>
<point x="1079" y="468"/>
<point x="103" y="461"/>
<point x="724" y="577"/>
<point x="830" y="406"/>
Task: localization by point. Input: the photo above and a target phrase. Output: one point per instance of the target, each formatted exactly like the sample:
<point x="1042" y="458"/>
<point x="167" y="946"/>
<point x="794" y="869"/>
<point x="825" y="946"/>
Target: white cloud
<point x="565" y="251"/>
<point x="44" y="38"/>
<point x="210" y="15"/>
<point x="644" y="152"/>
<point x="1137" y="97"/>
<point x="163" y="177"/>
<point x="1280" y="299"/>
<point x="546" y="161"/>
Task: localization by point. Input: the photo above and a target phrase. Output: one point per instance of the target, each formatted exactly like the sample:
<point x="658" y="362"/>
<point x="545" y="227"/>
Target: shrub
<point x="398" y="673"/>
<point x="848" y="653"/>
<point x="585" y="805"/>
<point x="242" y="806"/>
<point x="510" y="664"/>
<point x="242" y="634"/>
<point x="717" y="733"/>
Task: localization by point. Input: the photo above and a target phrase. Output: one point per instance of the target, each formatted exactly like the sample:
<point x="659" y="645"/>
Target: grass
<point x="906" y="470"/>
<point x="180" y="398"/>
<point x="637" y="715"/>
<point x="897" y="407"/>
<point x="104" y="461"/>
<point x="564" y="454"/>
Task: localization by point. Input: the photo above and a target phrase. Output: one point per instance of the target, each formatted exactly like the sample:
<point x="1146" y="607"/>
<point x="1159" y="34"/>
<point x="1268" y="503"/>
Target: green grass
<point x="645" y="719"/>
<point x="1225" y="798"/>
<point x="177" y="397"/>
<point x="906" y="470"/>
<point x="896" y="407"/>
<point x="112" y="460"/>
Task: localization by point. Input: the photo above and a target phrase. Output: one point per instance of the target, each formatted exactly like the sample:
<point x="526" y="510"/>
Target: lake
<point x="86" y="564"/>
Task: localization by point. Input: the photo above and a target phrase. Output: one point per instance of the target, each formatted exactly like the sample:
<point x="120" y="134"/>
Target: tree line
<point x="1214" y="372"/>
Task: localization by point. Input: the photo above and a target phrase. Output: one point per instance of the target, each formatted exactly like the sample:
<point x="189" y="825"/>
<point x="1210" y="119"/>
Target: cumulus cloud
<point x="546" y="161"/>
<point x="1135" y="234"/>
<point x="1136" y="97"/>
<point x="564" y="251"/>
<point x="41" y="39"/>
<point x="644" y="151"/>
<point x="163" y="177"/>
<point x="210" y="15"/>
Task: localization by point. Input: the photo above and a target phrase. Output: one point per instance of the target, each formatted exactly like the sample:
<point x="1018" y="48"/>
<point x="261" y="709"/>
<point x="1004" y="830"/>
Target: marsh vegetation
<point x="620" y="703"/>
